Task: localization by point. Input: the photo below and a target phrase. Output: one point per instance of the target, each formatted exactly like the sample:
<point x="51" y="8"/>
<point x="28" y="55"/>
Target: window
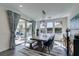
<point x="42" y="24"/>
<point x="49" y="27"/>
<point x="58" y="30"/>
<point x="43" y="30"/>
<point x="58" y="24"/>
<point x="42" y="27"/>
<point x="49" y="30"/>
<point x="58" y="27"/>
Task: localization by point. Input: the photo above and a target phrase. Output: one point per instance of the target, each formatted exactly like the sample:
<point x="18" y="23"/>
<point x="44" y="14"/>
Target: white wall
<point x="4" y="30"/>
<point x="65" y="24"/>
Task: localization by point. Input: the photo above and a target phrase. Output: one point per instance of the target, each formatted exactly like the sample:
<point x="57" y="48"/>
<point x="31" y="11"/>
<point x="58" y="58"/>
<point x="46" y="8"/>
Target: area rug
<point x="30" y="52"/>
<point x="58" y="50"/>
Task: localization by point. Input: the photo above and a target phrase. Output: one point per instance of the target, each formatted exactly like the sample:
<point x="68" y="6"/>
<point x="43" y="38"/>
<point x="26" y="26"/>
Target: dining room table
<point x="40" y="40"/>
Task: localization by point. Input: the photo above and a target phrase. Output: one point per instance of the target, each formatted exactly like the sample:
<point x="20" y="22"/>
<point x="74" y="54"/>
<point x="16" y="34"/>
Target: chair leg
<point x="43" y="48"/>
<point x="49" y="49"/>
<point x="31" y="46"/>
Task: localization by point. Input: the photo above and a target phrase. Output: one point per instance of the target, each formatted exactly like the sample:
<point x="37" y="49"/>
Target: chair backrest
<point x="52" y="38"/>
<point x="50" y="41"/>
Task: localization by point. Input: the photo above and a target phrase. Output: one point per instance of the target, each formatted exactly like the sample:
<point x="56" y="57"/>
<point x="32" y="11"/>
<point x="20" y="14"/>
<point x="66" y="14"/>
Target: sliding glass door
<point x="28" y="33"/>
<point x="20" y="32"/>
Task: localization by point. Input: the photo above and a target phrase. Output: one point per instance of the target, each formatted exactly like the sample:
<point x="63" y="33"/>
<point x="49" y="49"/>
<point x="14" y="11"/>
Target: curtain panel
<point x="13" y="19"/>
<point x="33" y="27"/>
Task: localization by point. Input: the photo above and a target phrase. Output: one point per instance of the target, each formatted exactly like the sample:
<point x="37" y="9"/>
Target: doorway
<point x="28" y="33"/>
<point x="23" y="33"/>
<point x="20" y="32"/>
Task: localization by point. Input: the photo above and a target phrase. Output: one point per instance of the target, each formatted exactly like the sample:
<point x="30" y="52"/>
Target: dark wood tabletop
<point x="40" y="38"/>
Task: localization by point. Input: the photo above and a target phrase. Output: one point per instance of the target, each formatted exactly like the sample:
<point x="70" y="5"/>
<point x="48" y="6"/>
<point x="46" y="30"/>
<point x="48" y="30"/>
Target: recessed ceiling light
<point x="20" y="5"/>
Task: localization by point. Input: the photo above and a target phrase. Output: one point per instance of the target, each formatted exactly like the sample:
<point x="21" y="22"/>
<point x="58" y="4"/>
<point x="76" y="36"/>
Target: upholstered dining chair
<point x="49" y="43"/>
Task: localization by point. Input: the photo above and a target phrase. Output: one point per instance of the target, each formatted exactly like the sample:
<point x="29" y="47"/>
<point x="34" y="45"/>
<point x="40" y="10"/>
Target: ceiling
<point x="34" y="10"/>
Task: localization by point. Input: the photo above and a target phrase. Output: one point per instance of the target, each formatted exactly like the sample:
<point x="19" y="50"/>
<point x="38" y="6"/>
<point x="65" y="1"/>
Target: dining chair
<point x="49" y="43"/>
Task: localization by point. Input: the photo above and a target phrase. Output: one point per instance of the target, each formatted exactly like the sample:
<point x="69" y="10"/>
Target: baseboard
<point x="5" y="50"/>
